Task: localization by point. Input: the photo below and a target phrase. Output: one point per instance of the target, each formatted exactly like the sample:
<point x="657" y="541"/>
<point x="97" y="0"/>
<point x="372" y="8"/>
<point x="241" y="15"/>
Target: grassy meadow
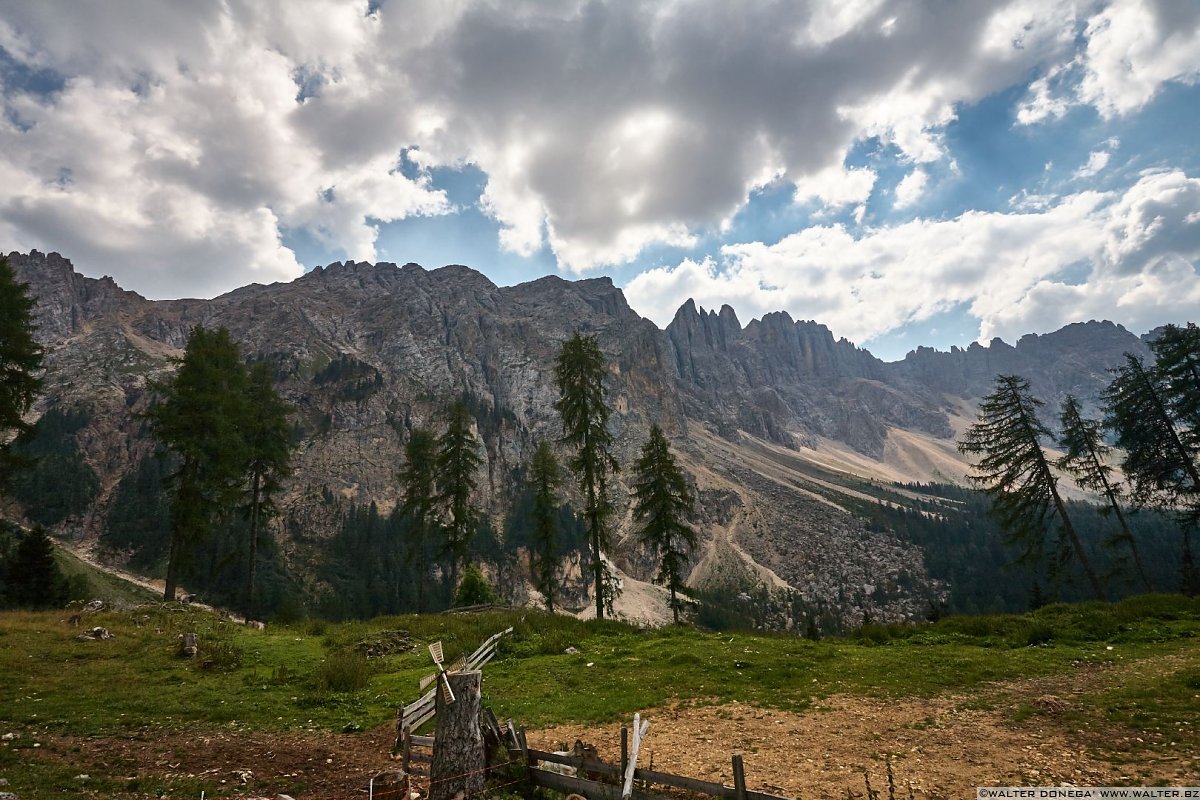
<point x="314" y="676"/>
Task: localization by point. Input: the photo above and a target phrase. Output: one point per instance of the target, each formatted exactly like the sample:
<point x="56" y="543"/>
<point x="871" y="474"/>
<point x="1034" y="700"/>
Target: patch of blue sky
<point x="954" y="326"/>
<point x="18" y="77"/>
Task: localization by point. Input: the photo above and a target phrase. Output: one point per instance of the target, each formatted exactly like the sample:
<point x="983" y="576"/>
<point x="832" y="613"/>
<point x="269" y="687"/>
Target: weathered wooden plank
<point x="593" y="790"/>
<point x="596" y="767"/>
<point x="422" y="741"/>
<point x="739" y="778"/>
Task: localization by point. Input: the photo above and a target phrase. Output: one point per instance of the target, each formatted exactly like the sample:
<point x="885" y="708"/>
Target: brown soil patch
<point x="943" y="747"/>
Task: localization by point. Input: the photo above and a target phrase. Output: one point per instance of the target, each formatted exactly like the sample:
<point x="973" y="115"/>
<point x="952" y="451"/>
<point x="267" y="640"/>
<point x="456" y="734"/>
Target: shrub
<point x="343" y="671"/>
<point x="474" y="589"/>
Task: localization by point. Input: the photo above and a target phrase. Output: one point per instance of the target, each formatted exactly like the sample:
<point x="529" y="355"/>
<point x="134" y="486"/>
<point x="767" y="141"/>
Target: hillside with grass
<point x="308" y="709"/>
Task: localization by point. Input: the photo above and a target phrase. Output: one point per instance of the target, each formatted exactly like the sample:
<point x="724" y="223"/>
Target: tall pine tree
<point x="458" y="461"/>
<point x="579" y="373"/>
<point x="268" y="452"/>
<point x="662" y="503"/>
<point x="20" y="359"/>
<point x="1015" y="474"/>
<point x="418" y="505"/>
<point x="198" y="416"/>
<point x="544" y="478"/>
<point x="1085" y="459"/>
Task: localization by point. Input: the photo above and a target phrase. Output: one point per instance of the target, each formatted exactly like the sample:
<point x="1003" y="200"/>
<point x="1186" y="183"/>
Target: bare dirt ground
<point x="942" y="747"/>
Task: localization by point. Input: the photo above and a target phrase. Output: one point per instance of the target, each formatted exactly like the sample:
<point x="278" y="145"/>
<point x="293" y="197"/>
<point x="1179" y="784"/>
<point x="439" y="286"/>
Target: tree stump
<point x="458" y="754"/>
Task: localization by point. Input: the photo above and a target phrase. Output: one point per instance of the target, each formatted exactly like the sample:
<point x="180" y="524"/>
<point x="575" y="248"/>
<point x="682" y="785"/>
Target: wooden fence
<point x="412" y="716"/>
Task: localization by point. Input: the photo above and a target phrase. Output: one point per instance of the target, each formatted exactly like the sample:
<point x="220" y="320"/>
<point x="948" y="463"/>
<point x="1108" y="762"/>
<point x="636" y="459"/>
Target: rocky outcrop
<point x="406" y="341"/>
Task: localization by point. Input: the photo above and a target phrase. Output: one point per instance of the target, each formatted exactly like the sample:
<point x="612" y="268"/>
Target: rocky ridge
<point x="418" y="338"/>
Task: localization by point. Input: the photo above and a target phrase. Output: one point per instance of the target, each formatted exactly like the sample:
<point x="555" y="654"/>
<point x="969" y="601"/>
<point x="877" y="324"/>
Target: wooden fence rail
<point x="421" y="710"/>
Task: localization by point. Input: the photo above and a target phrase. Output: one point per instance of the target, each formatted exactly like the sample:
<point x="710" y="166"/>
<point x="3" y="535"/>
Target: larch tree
<point x="662" y="503"/>
<point x="20" y="358"/>
<point x="1085" y="458"/>
<point x="545" y="476"/>
<point x="268" y="453"/>
<point x="418" y="506"/>
<point x="457" y="465"/>
<point x="199" y="416"/>
<point x="1177" y="362"/>
<point x="1146" y="408"/>
<point x="1014" y="472"/>
<point x="1159" y="462"/>
<point x="579" y="374"/>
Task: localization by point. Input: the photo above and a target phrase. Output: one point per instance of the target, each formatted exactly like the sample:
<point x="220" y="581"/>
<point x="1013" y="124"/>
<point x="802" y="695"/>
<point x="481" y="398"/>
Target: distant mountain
<point x="785" y="430"/>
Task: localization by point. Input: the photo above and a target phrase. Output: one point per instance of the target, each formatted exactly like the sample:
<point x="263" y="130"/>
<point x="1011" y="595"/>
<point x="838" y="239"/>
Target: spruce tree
<point x="418" y="505"/>
<point x="34" y="578"/>
<point x="268" y="449"/>
<point x="1015" y="474"/>
<point x="662" y="502"/>
<point x="579" y="373"/>
<point x="1085" y="459"/>
<point x="544" y="478"/>
<point x="457" y="464"/>
<point x="198" y="416"/>
<point x="20" y="359"/>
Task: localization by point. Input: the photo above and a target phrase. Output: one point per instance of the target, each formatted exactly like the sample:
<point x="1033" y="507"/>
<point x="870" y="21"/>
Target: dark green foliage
<point x="139" y="516"/>
<point x="456" y="466"/>
<point x="1177" y="362"/>
<point x="53" y="482"/>
<point x="266" y="435"/>
<point x="198" y="418"/>
<point x="662" y="503"/>
<point x="544" y="480"/>
<point x="474" y="589"/>
<point x="32" y="578"/>
<point x="1085" y="458"/>
<point x="20" y="357"/>
<point x="965" y="546"/>
<point x="579" y="374"/>
<point x="1159" y="462"/>
<point x="343" y="671"/>
<point x="418" y="508"/>
<point x="355" y="381"/>
<point x="1013" y="471"/>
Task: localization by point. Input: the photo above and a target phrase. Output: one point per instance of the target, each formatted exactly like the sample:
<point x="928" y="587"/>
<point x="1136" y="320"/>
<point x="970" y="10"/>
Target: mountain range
<point x="785" y="430"/>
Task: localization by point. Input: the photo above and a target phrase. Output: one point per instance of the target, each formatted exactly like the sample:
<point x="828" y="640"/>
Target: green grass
<point x="311" y="676"/>
<point x="89" y="583"/>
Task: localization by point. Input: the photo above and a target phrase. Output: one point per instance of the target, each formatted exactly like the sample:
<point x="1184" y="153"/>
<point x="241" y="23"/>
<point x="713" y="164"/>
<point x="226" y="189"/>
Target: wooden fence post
<point x="458" y="757"/>
<point x="739" y="778"/>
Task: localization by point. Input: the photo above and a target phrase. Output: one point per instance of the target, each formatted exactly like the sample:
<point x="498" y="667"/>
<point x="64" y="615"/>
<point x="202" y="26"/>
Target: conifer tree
<point x="20" y="358"/>
<point x="198" y="416"/>
<point x="457" y="463"/>
<point x="34" y="578"/>
<point x="418" y="506"/>
<point x="268" y="451"/>
<point x="1160" y="462"/>
<point x="579" y="373"/>
<point x="1085" y="459"/>
<point x="1015" y="474"/>
<point x="1177" y="364"/>
<point x="544" y="478"/>
<point x="662" y="503"/>
<point x="1149" y="411"/>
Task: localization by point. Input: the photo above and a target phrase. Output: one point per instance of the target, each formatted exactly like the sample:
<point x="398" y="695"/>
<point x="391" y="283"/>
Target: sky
<point x="906" y="172"/>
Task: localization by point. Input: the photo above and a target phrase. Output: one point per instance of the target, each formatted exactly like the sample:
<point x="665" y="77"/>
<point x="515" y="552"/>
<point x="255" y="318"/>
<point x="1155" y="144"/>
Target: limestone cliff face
<point x="788" y="381"/>
<point x="409" y="341"/>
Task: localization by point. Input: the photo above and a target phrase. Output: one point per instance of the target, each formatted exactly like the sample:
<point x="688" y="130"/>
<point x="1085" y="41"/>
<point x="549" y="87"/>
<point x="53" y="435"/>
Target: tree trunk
<point x="172" y="566"/>
<point x="1076" y="544"/>
<point x="459" y="760"/>
<point x="254" y="513"/>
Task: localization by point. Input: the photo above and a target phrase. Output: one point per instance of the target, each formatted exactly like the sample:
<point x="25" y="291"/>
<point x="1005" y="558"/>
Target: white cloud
<point x="910" y="188"/>
<point x="1012" y="271"/>
<point x="1131" y="48"/>
<point x="602" y="127"/>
